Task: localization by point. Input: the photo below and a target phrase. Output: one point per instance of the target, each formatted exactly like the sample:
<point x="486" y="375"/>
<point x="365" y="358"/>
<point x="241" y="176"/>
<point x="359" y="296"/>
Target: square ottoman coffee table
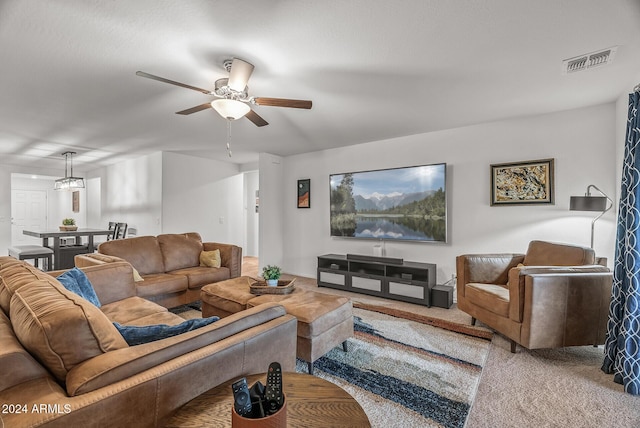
<point x="324" y="321"/>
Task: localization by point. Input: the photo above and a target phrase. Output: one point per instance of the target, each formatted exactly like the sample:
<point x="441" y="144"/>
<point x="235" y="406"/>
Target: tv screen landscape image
<point x="406" y="203"/>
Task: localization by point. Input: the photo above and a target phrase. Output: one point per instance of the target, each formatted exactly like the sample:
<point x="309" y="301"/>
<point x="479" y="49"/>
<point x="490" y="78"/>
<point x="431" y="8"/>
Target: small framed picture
<point x="75" y="201"/>
<point x="527" y="182"/>
<point x="304" y="193"/>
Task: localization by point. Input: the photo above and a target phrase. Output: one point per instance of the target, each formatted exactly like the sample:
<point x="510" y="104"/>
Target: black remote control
<point x="241" y="398"/>
<point x="273" y="389"/>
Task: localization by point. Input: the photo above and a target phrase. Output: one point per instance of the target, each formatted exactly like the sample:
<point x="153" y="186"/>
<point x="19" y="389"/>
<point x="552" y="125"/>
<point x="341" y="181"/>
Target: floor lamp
<point x="589" y="202"/>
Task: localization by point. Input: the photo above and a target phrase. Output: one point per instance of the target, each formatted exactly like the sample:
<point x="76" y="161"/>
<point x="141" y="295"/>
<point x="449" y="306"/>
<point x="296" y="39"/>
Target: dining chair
<point x="113" y="227"/>
<point x="121" y="231"/>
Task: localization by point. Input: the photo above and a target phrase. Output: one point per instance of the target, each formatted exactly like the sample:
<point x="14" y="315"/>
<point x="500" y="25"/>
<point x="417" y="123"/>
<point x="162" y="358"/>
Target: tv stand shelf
<point x="378" y="276"/>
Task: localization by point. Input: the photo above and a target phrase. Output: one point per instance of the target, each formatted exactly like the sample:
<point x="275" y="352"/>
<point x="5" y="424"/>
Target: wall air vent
<point x="587" y="61"/>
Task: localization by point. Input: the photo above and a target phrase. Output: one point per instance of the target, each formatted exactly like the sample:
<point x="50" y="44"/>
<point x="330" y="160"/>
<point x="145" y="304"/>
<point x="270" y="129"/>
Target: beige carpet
<point x="543" y="388"/>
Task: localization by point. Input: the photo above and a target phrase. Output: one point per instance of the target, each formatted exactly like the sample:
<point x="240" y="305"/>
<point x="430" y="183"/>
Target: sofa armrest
<point x="518" y="277"/>
<point x="230" y="256"/>
<point x="484" y="268"/>
<point x="566" y="310"/>
<point x="92" y="259"/>
<point x="117" y="365"/>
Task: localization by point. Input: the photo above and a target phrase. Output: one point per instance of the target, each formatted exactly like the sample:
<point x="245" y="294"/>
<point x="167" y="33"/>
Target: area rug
<point x="404" y="372"/>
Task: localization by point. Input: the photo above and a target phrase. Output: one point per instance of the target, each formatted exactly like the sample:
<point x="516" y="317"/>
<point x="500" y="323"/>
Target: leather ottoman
<point x="226" y="297"/>
<point x="324" y="321"/>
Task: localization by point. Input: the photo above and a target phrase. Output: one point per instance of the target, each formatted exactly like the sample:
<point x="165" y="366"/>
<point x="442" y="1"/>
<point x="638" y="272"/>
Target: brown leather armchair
<point x="553" y="296"/>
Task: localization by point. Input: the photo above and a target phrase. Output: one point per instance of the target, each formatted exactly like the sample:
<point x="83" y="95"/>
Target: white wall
<point x="131" y="192"/>
<point x="94" y="203"/>
<point x="251" y="182"/>
<point x="5" y="198"/>
<point x="272" y="208"/>
<point x="582" y="142"/>
<point x="204" y="196"/>
<point x="173" y="193"/>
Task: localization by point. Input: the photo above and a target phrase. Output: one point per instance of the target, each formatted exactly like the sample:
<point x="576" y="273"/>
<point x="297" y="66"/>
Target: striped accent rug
<point x="406" y="372"/>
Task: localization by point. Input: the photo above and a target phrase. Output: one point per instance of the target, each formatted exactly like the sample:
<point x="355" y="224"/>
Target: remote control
<point x="241" y="399"/>
<point x="273" y="389"/>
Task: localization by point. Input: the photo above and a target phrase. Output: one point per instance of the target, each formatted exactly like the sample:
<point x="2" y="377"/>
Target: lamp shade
<point x="588" y="203"/>
<point x="230" y="109"/>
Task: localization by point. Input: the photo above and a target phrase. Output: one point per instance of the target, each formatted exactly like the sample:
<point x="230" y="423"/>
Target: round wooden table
<point x="311" y="402"/>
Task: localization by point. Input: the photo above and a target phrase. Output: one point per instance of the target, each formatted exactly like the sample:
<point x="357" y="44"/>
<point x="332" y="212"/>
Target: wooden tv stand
<point x="378" y="276"/>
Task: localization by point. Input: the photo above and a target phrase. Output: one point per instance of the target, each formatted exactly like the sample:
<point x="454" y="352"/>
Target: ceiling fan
<point x="232" y="98"/>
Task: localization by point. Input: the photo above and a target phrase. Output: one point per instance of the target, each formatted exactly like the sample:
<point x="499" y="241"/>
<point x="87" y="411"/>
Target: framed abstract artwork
<point x="304" y="193"/>
<point x="527" y="182"/>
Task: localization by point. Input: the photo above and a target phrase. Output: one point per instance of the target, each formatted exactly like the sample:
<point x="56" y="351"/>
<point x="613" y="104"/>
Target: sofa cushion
<point x="15" y="275"/>
<point x="60" y="328"/>
<point x="129" y="310"/>
<point x="143" y="252"/>
<point x="7" y="261"/>
<point x="199" y="276"/>
<point x="494" y="298"/>
<point x="210" y="259"/>
<point x="18" y="365"/>
<point x="136" y="275"/>
<point x="161" y="283"/>
<point x="167" y="318"/>
<point x="111" y="281"/>
<point x="541" y="253"/>
<point x="180" y="251"/>
<point x="77" y="282"/>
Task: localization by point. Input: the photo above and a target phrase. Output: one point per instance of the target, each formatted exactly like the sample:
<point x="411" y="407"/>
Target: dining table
<point x="63" y="254"/>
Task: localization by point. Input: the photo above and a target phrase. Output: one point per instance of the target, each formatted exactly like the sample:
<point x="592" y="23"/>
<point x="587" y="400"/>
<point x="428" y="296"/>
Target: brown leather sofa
<point x="63" y="363"/>
<point x="553" y="296"/>
<point x="169" y="264"/>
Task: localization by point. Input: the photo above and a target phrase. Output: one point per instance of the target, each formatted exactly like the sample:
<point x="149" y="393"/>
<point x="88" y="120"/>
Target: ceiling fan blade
<point x="195" y="109"/>
<point x="282" y="102"/>
<point x="256" y="118"/>
<point x="172" y="82"/>
<point x="239" y="74"/>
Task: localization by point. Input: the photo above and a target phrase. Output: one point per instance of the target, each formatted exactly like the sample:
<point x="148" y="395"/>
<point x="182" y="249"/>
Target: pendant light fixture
<point x="69" y="182"/>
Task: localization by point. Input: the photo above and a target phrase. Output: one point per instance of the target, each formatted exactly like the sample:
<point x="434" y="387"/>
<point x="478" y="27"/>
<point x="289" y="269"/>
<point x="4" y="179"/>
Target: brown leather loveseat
<point x="169" y="264"/>
<point x="553" y="296"/>
<point x="64" y="364"/>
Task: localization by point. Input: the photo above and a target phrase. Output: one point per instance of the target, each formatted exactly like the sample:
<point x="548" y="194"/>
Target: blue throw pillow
<point x="137" y="335"/>
<point x="77" y="282"/>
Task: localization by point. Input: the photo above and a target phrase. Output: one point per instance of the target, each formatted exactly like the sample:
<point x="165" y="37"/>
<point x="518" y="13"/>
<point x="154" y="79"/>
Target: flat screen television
<point x="408" y="204"/>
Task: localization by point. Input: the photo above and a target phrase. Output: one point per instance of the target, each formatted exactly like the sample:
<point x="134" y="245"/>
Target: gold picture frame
<point x="523" y="183"/>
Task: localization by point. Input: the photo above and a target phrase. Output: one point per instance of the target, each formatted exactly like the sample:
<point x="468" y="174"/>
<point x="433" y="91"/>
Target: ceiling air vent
<point x="587" y="61"/>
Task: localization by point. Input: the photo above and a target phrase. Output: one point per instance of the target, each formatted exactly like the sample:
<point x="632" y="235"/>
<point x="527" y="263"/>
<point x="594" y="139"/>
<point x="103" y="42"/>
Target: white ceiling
<point x="373" y="69"/>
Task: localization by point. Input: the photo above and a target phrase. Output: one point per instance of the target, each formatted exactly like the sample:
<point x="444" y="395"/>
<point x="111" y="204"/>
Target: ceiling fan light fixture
<point x="230" y="109"/>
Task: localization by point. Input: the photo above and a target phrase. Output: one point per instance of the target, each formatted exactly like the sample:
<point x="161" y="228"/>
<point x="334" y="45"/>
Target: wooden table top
<point x="63" y="233"/>
<point x="311" y="402"/>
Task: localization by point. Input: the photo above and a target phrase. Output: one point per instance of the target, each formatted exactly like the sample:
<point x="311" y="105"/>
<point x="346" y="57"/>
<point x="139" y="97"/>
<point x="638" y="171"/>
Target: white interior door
<point x="28" y="211"/>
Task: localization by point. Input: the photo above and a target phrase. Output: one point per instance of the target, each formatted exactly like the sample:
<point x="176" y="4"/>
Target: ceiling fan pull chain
<point x="229" y="137"/>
